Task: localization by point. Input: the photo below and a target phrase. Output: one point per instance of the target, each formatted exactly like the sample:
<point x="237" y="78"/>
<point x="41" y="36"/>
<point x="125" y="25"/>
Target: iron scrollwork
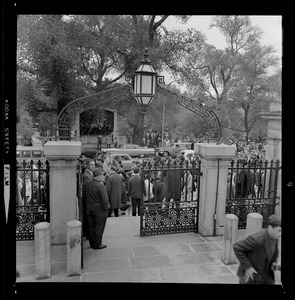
<point x="70" y="111"/>
<point x="213" y="125"/>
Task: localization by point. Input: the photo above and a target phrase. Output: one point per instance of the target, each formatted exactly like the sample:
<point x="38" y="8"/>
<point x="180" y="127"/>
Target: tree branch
<point x="232" y="128"/>
<point x="116" y="79"/>
<point x="87" y="71"/>
<point x="160" y="22"/>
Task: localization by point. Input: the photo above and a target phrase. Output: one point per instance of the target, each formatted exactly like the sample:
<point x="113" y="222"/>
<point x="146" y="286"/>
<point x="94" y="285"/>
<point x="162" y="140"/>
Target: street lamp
<point x="145" y="80"/>
<point x="144" y="87"/>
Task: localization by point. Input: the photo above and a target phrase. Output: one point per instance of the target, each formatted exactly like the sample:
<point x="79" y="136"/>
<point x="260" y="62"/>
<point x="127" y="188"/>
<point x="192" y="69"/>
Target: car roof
<point x="181" y="143"/>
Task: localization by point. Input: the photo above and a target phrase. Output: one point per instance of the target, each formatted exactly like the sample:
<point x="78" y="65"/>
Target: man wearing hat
<point x="97" y="208"/>
<point x="258" y="254"/>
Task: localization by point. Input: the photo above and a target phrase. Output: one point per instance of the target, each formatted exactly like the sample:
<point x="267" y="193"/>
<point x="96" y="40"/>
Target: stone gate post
<point x="274" y="145"/>
<point x="213" y="184"/>
<point x="62" y="156"/>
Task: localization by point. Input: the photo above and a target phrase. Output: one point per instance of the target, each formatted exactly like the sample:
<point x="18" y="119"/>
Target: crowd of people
<point x="31" y="186"/>
<point x="109" y="191"/>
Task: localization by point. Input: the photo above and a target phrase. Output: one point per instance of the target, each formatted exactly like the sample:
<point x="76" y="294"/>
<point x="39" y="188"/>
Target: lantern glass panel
<point x="137" y="84"/>
<point x="147" y="84"/>
<point x="146" y="100"/>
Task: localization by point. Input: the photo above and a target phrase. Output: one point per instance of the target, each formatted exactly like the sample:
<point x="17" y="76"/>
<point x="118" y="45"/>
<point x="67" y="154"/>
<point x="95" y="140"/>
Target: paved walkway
<point x="171" y="258"/>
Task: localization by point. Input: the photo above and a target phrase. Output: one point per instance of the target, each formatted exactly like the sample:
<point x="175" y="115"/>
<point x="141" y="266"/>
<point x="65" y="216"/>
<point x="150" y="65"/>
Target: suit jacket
<point x="87" y="176"/>
<point x="96" y="196"/>
<point x="136" y="187"/>
<point x="173" y="182"/>
<point x="259" y="251"/>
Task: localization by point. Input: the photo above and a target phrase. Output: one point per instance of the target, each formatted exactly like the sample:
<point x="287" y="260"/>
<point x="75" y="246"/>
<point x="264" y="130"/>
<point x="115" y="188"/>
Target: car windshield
<point x="121" y="146"/>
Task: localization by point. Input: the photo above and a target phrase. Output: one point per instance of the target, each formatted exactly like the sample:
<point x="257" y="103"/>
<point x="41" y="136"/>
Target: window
<point x="17" y="153"/>
<point x="37" y="153"/>
<point x="26" y="153"/>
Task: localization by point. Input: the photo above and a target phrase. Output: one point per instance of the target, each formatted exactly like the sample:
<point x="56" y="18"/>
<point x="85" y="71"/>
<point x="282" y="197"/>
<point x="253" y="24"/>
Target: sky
<point x="271" y="26"/>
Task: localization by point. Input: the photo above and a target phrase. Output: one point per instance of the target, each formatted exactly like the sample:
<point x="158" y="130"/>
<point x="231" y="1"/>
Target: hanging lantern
<point x="145" y="83"/>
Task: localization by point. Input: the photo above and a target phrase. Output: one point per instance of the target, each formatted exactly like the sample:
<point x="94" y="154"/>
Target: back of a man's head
<point x="135" y="170"/>
<point x="273" y="221"/>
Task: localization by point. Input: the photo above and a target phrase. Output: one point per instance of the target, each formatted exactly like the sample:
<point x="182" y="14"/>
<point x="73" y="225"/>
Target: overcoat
<point x="259" y="251"/>
<point x="173" y="184"/>
<point x="114" y="190"/>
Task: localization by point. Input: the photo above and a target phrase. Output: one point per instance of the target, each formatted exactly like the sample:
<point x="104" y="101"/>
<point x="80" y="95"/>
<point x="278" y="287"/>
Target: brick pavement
<point x="171" y="258"/>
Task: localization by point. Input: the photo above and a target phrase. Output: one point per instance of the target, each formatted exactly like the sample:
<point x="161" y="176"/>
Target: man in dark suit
<point x="87" y="176"/>
<point x="114" y="190"/>
<point x="136" y="189"/>
<point x="97" y="208"/>
<point x="174" y="183"/>
<point x="258" y="254"/>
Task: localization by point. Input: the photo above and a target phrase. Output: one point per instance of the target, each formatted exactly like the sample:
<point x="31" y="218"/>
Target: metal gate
<point x="172" y="198"/>
<point x="252" y="188"/>
<point x="80" y="202"/>
<point x="32" y="197"/>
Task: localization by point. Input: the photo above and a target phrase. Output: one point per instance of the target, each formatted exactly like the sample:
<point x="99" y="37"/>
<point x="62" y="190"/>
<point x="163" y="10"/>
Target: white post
<point x="42" y="250"/>
<point x="73" y="248"/>
<point x="229" y="238"/>
<point x="254" y="223"/>
<point x="62" y="156"/>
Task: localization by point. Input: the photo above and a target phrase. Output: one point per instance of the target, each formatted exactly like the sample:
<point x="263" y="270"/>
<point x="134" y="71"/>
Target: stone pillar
<point x="229" y="238"/>
<point x="62" y="156"/>
<point x="42" y="250"/>
<point x="274" y="143"/>
<point x="73" y="248"/>
<point x="254" y="223"/>
<point x="213" y="184"/>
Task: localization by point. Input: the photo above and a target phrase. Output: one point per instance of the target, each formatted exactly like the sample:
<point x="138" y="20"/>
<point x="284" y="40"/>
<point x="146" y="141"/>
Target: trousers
<point x="97" y="218"/>
<point x="136" y="204"/>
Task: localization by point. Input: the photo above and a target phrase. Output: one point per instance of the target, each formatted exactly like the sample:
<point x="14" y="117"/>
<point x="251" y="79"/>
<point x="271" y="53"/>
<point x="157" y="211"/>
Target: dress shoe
<point x="99" y="247"/>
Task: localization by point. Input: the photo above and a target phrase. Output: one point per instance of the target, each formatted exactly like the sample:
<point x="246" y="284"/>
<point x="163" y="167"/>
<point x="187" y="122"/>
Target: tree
<point x="251" y="93"/>
<point x="72" y="56"/>
<point x="213" y="70"/>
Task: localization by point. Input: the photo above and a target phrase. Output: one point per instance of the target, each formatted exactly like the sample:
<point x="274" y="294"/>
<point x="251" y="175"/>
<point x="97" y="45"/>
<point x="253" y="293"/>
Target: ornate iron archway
<point x="212" y="127"/>
<point x="70" y="111"/>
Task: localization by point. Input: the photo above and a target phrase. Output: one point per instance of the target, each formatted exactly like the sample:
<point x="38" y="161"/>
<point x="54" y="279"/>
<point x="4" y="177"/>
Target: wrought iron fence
<point x="252" y="187"/>
<point x="79" y="179"/>
<point x="32" y="197"/>
<point x="172" y="195"/>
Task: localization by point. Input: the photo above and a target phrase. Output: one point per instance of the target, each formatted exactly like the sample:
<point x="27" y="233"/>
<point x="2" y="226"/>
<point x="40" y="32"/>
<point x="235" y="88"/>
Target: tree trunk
<point x="246" y="125"/>
<point x="138" y="131"/>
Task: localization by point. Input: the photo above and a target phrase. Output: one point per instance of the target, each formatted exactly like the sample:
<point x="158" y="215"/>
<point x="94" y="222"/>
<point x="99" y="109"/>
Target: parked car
<point x="173" y="149"/>
<point x="132" y="149"/>
<point x="29" y="153"/>
<point x="125" y="159"/>
<point x="91" y="153"/>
